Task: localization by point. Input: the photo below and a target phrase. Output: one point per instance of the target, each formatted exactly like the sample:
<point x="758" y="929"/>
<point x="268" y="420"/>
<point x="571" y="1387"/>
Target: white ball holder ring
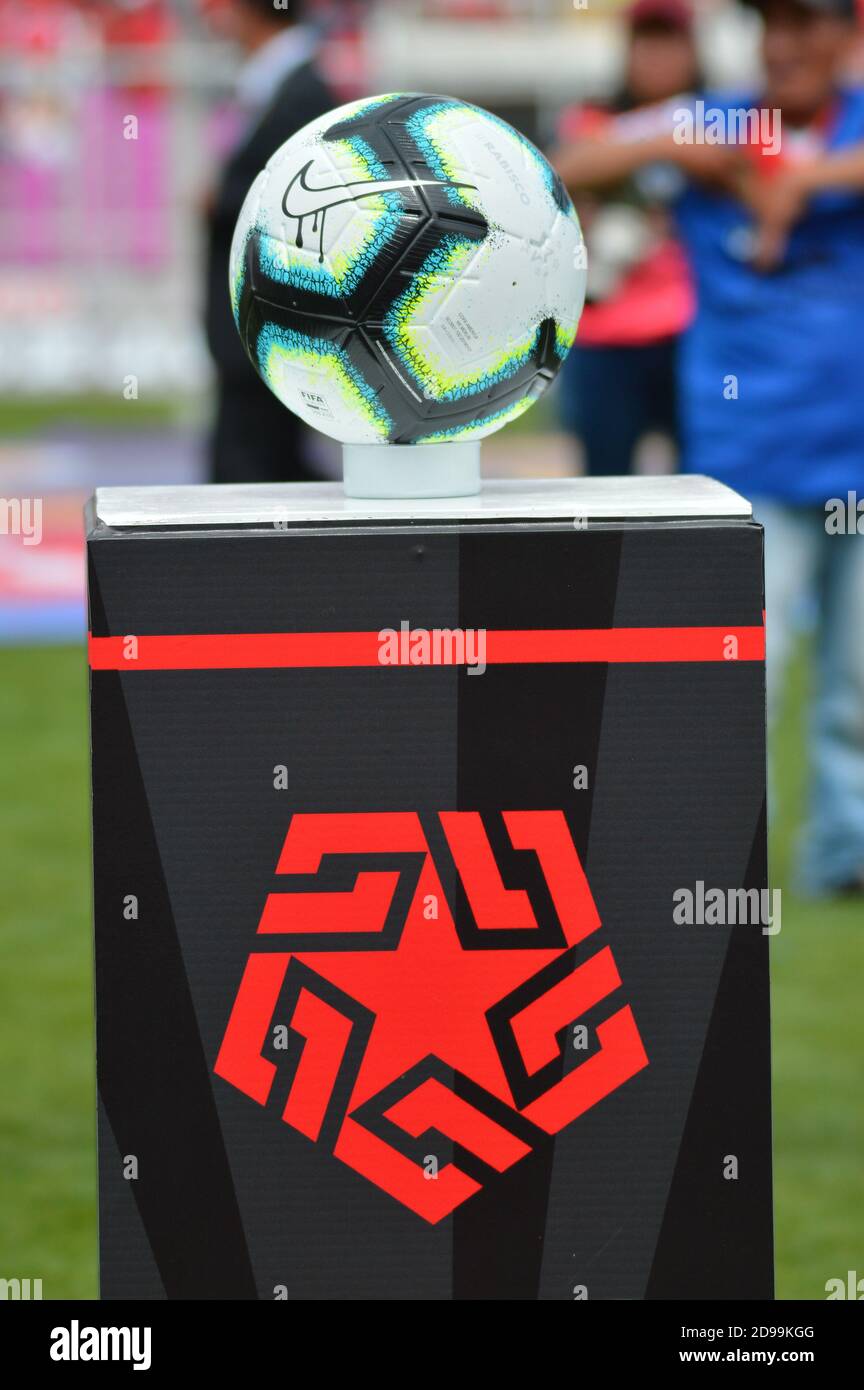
<point x="412" y="470"/>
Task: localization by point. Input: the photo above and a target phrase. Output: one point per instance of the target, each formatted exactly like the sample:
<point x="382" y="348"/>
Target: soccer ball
<point x="407" y="269"/>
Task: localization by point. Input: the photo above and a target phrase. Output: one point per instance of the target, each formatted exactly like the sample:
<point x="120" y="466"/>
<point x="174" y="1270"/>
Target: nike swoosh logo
<point x="301" y="201"/>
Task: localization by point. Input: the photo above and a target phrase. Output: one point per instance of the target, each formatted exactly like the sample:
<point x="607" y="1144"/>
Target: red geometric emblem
<point x="399" y="1024"/>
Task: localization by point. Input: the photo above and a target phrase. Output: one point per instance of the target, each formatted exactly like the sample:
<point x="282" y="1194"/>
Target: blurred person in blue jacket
<point x="772" y="369"/>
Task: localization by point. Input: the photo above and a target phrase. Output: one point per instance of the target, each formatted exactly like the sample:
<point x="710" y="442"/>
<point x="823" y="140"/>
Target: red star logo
<point x="429" y="996"/>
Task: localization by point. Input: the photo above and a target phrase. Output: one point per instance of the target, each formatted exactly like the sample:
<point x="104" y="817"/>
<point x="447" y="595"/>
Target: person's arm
<point x="598" y="162"/>
<point x="841" y="172"/>
<point x="777" y="203"/>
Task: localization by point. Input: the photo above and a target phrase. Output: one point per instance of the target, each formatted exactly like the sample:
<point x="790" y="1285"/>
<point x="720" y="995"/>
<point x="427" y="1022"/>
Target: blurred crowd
<point x="725" y="233"/>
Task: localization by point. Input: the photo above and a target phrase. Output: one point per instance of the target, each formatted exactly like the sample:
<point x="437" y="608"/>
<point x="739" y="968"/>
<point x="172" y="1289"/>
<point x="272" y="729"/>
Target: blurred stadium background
<point x="104" y="378"/>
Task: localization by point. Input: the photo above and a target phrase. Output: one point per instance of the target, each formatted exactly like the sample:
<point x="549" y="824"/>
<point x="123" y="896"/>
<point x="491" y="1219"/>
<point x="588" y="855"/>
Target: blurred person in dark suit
<point x="279" y="90"/>
<point x="771" y="374"/>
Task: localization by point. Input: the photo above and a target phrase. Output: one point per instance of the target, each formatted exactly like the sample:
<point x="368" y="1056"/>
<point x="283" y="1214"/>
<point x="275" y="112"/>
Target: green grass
<point x="818" y="1037"/>
<point x="47" y="1159"/>
<point x="21" y="416"/>
<point x="47" y="1125"/>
